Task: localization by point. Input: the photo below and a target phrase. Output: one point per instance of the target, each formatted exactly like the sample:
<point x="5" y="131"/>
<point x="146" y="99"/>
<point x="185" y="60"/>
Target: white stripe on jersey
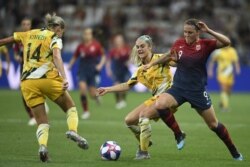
<point x="58" y="42"/>
<point x="39" y="72"/>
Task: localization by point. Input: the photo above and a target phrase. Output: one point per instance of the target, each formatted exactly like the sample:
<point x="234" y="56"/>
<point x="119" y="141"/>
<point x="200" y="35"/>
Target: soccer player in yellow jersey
<point x="157" y="79"/>
<point x="44" y="76"/>
<point x="4" y="51"/>
<point x="26" y="24"/>
<point x="227" y="61"/>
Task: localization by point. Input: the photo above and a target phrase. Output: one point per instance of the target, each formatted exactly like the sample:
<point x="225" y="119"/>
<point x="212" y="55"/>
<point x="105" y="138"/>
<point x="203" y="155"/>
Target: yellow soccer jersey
<point x="37" y="53"/>
<point x="225" y="58"/>
<point x="157" y="79"/>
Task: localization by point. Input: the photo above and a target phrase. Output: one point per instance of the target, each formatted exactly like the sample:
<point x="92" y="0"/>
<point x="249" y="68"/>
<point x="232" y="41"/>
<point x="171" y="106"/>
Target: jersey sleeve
<point x="210" y="45"/>
<point x="56" y="43"/>
<point x="174" y="46"/>
<point x="133" y="80"/>
<point x="19" y="36"/>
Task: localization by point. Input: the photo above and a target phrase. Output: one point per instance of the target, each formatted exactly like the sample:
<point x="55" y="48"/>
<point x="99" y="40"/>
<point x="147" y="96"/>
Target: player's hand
<point x="65" y="84"/>
<point x="174" y="55"/>
<point x="101" y="91"/>
<point x="203" y="27"/>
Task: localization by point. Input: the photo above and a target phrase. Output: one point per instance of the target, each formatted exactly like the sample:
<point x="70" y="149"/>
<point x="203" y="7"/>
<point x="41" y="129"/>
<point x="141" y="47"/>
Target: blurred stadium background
<point x="162" y="19"/>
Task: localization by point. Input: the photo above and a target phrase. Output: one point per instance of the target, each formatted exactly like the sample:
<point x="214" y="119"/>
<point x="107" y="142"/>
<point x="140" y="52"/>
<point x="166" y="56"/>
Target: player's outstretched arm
<point x="7" y="40"/>
<point x="166" y="58"/>
<point x="116" y="88"/>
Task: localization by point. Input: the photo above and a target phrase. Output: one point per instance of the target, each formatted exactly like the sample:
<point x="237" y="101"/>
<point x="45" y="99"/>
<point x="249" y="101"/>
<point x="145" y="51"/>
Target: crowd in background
<point x="162" y="19"/>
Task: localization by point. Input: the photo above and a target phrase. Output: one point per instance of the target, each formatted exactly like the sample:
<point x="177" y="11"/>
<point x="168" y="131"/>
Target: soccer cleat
<point x="239" y="157"/>
<point x="139" y="149"/>
<point x="180" y="140"/>
<point x="142" y="155"/>
<point x="81" y="142"/>
<point x="85" y="115"/>
<point x="43" y="153"/>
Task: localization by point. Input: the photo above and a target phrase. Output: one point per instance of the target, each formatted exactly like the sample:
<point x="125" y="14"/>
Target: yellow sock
<point x="224" y="100"/>
<point x="42" y="134"/>
<point x="145" y="133"/>
<point x="72" y="119"/>
<point x="136" y="130"/>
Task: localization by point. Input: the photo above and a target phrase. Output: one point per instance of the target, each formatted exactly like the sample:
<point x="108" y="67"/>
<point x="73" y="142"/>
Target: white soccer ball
<point x="110" y="150"/>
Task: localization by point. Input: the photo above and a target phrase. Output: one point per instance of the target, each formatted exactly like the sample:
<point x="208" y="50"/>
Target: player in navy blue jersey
<point x="190" y="79"/>
<point x="92" y="60"/>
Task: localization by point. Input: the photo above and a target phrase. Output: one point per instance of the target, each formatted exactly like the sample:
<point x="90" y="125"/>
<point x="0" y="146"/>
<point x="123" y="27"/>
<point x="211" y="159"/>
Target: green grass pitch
<point x="18" y="145"/>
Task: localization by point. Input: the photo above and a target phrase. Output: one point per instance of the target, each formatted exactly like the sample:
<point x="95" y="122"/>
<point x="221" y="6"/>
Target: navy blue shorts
<point x="91" y="77"/>
<point x="199" y="100"/>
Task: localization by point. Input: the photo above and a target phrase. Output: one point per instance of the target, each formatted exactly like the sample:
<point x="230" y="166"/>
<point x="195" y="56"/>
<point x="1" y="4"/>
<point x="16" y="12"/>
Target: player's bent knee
<point x="160" y="104"/>
<point x="129" y="121"/>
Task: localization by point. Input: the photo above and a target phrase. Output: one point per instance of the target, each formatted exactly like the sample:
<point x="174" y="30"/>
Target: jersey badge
<point x="198" y="47"/>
